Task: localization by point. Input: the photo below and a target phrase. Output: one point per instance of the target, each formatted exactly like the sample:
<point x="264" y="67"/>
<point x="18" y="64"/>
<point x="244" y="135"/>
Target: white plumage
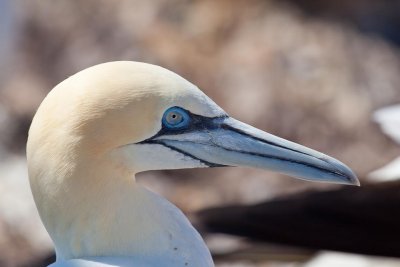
<point x="97" y="129"/>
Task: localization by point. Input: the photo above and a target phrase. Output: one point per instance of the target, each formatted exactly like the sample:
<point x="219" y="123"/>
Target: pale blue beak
<point x="228" y="142"/>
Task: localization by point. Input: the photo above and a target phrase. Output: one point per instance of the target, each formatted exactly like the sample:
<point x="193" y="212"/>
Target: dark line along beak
<point x="225" y="141"/>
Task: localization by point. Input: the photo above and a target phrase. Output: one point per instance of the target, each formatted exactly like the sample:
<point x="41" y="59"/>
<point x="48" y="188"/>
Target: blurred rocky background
<point x="309" y="71"/>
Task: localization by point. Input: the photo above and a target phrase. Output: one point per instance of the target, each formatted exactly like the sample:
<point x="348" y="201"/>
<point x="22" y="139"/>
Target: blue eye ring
<point x="176" y="118"/>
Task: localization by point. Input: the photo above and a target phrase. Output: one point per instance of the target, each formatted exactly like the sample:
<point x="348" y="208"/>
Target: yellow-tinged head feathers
<point x="116" y="103"/>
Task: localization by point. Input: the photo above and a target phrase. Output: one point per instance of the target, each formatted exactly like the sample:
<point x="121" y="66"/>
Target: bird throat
<point x="116" y="217"/>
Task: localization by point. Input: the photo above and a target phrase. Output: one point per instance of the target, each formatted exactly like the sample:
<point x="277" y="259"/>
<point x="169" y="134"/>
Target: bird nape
<point x="97" y="129"/>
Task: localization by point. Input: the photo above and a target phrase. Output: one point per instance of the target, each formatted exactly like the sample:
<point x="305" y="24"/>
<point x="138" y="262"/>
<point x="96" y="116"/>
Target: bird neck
<point x="99" y="210"/>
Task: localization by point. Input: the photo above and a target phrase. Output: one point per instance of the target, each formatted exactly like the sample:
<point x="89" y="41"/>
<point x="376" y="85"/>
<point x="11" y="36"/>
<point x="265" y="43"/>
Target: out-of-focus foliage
<point x="267" y="63"/>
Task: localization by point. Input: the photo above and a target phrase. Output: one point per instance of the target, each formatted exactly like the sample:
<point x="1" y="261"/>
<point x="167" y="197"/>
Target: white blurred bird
<point x="389" y="120"/>
<point x="337" y="259"/>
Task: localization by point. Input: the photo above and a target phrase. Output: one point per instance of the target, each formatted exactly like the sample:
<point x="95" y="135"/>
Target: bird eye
<point x="175" y="117"/>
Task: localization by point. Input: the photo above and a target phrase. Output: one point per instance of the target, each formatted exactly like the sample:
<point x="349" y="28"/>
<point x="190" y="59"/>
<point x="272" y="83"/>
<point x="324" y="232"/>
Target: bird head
<point x="145" y="117"/>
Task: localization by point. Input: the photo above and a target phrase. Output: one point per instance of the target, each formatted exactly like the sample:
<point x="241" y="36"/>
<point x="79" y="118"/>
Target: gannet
<point x="97" y="129"/>
<point x="388" y="119"/>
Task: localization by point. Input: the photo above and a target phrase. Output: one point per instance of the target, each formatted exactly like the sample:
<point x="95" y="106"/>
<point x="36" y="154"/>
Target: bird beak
<point x="228" y="142"/>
